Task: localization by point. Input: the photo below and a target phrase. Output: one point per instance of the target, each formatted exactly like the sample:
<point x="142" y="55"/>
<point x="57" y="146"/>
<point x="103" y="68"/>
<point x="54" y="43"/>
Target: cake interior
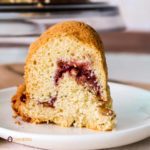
<point x="66" y="87"/>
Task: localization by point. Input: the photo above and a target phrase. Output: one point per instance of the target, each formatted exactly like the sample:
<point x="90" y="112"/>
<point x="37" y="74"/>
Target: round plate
<point x="132" y="106"/>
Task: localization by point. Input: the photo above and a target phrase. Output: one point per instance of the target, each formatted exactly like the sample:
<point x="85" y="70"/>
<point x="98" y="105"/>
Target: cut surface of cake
<point x="65" y="80"/>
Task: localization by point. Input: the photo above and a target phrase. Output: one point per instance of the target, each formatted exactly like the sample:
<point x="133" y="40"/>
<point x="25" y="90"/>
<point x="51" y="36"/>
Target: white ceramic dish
<point x="132" y="106"/>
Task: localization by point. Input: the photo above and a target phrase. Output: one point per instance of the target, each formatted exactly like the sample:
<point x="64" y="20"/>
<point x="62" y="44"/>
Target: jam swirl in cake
<point x="49" y="103"/>
<point x="23" y="97"/>
<point x="82" y="73"/>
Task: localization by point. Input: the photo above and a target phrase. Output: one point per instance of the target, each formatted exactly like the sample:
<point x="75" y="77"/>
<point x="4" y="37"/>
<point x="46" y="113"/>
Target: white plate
<point x="132" y="106"/>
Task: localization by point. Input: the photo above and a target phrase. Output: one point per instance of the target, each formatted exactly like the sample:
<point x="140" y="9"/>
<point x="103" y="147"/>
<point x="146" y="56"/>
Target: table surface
<point x="12" y="75"/>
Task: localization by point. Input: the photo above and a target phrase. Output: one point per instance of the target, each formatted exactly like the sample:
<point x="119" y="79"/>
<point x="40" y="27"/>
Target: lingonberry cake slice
<point x="66" y="80"/>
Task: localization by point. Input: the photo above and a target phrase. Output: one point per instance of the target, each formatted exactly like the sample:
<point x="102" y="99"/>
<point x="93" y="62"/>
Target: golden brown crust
<point x="16" y="98"/>
<point x="17" y="103"/>
<point x="79" y="30"/>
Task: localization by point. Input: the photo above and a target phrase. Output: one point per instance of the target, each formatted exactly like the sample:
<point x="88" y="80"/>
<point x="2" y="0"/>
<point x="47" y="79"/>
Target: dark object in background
<point x="102" y="16"/>
<point x="49" y="7"/>
<point x="68" y="1"/>
<point x="43" y="1"/>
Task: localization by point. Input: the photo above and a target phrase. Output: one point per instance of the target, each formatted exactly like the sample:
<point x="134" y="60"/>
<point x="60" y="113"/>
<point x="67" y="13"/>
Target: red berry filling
<point x="23" y="98"/>
<point x="81" y="71"/>
<point x="49" y="103"/>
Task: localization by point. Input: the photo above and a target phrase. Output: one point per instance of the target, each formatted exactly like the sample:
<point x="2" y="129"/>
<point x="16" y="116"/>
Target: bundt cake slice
<point x="66" y="80"/>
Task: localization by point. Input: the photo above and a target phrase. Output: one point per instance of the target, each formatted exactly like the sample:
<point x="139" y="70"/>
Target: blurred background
<point x="124" y="26"/>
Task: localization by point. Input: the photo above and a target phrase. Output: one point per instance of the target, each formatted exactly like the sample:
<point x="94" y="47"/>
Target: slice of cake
<point x="66" y="80"/>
